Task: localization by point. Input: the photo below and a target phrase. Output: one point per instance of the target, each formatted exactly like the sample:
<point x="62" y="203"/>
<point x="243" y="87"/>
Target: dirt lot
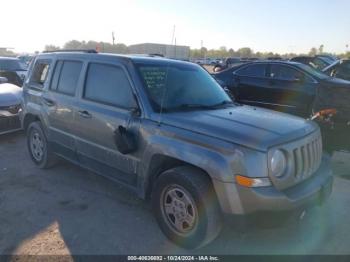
<point x="67" y="210"/>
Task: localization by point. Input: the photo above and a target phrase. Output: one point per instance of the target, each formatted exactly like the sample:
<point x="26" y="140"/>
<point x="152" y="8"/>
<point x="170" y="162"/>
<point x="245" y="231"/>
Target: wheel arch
<point x="160" y="163"/>
<point x="28" y="119"/>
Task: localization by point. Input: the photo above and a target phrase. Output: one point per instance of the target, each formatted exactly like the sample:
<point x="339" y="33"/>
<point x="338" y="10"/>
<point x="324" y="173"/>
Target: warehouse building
<point x="169" y="51"/>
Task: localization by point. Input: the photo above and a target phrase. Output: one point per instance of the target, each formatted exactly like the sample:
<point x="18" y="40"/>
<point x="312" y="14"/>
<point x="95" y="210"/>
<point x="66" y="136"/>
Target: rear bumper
<point x="235" y="199"/>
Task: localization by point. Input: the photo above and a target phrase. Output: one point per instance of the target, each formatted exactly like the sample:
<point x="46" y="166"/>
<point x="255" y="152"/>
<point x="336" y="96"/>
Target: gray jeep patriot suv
<point x="168" y="131"/>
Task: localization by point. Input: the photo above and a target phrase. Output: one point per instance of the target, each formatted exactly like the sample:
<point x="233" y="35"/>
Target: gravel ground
<point x="68" y="210"/>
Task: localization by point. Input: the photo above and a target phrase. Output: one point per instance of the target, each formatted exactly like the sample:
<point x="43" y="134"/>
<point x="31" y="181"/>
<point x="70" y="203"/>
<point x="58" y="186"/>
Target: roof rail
<point x="93" y="51"/>
<point x="156" y="55"/>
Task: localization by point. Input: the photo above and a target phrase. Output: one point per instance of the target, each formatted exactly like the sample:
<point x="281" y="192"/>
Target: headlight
<point x="278" y="163"/>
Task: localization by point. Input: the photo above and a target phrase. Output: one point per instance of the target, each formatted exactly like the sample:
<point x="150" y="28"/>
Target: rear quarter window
<point x="40" y="73"/>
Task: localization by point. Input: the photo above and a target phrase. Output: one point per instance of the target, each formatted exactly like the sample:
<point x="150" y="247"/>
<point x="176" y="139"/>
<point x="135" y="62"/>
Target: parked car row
<point x="207" y="61"/>
<point x="318" y="62"/>
<point x="339" y="69"/>
<point x="167" y="130"/>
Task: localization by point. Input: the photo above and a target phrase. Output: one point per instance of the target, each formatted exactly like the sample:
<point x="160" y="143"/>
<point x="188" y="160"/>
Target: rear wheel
<point x="186" y="207"/>
<point x="38" y="147"/>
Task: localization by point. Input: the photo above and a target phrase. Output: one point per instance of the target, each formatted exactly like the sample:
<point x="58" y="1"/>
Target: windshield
<point x="180" y="86"/>
<point x="11" y="65"/>
<point x="327" y="59"/>
<point x="313" y="72"/>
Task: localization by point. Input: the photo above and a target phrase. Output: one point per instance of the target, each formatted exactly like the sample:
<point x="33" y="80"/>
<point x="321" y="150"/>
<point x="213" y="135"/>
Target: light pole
<point x="202" y="53"/>
<point x="113" y="38"/>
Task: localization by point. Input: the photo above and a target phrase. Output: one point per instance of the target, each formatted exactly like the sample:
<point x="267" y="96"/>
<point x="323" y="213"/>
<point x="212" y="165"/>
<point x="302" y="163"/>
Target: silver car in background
<point x="10" y="107"/>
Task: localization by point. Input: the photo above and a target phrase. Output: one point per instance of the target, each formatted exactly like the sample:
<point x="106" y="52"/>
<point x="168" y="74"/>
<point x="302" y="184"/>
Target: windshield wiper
<point x="201" y="106"/>
<point x="223" y="103"/>
<point x="191" y="106"/>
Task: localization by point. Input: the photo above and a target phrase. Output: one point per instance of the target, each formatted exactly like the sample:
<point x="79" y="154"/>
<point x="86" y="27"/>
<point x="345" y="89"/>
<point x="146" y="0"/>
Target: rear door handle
<point x="48" y="101"/>
<point x="84" y="114"/>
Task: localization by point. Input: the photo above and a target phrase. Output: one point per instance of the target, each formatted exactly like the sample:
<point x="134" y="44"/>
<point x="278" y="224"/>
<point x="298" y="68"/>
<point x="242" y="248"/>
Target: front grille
<point x="9" y="123"/>
<point x="307" y="158"/>
<point x="304" y="157"/>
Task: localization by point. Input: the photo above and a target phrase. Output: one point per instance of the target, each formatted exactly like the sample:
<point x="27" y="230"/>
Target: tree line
<point x="249" y="53"/>
<point x="104" y="47"/>
<point x="194" y="53"/>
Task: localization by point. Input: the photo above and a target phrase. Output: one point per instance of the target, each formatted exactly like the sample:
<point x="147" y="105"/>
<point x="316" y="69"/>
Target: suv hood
<point x="251" y="127"/>
<point x="10" y="95"/>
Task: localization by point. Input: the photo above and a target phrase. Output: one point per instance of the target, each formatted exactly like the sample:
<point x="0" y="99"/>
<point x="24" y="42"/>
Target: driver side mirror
<point x="125" y="140"/>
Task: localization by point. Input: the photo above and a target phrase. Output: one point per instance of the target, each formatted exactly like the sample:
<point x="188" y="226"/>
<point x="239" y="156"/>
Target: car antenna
<point x="166" y="81"/>
<point x="164" y="94"/>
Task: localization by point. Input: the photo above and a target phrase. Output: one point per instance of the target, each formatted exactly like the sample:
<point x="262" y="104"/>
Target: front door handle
<point x="48" y="101"/>
<point x="84" y="114"/>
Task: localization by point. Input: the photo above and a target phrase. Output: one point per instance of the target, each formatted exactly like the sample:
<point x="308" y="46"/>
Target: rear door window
<point x="258" y="70"/>
<point x="109" y="85"/>
<point x="285" y="73"/>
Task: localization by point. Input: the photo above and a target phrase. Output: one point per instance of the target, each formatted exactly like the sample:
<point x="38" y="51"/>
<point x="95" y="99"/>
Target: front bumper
<point x="239" y="200"/>
<point x="9" y="123"/>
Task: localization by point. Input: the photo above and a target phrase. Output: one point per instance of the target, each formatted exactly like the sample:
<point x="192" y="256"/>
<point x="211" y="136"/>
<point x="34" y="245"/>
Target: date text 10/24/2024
<point x="173" y="258"/>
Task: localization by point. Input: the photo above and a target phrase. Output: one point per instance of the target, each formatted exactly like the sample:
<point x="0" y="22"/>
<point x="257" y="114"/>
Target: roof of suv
<point x="138" y="58"/>
<point x="9" y="58"/>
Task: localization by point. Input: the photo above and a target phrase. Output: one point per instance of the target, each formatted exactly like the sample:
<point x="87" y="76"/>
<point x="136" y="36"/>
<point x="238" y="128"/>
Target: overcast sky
<point x="264" y="25"/>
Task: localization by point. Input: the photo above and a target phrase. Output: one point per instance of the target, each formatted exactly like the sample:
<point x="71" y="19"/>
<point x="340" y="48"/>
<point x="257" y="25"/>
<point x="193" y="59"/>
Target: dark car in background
<point x="13" y="69"/>
<point x="290" y="87"/>
<point x="283" y="86"/>
<point x="318" y="62"/>
<point x="339" y="69"/>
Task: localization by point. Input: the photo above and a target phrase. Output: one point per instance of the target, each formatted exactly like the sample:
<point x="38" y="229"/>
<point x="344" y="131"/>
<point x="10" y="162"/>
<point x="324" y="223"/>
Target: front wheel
<point x="38" y="146"/>
<point x="186" y="207"/>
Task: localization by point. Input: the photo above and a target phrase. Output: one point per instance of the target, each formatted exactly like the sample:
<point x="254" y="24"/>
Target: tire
<point x="38" y="146"/>
<point x="186" y="194"/>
